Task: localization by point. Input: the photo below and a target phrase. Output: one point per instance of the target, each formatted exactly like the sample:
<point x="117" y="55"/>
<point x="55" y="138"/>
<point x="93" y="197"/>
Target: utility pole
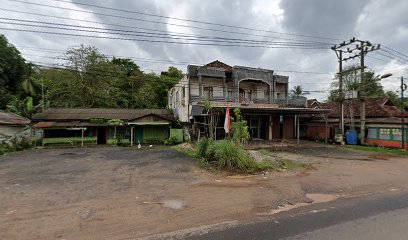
<point x="341" y="123"/>
<point x="42" y="95"/>
<point x="403" y="135"/>
<point x="363" y="47"/>
<point x="338" y="49"/>
<point x="362" y="95"/>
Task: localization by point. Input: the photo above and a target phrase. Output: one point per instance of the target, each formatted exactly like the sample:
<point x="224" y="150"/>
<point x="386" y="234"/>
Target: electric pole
<point x="362" y="95"/>
<point x="403" y="134"/>
<point x="363" y="47"/>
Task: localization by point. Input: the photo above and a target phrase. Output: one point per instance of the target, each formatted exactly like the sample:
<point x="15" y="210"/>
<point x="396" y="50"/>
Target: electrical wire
<point x="128" y="18"/>
<point x="158" y="41"/>
<point x="155" y="30"/>
<point x="194" y="21"/>
<point x="163" y="61"/>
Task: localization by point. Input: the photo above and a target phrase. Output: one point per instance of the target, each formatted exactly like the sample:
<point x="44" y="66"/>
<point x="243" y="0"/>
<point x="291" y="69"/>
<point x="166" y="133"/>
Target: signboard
<point x="351" y="94"/>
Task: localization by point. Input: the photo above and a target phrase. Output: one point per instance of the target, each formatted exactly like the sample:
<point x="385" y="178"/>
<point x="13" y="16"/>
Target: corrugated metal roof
<point x="375" y="107"/>
<point x="8" y="118"/>
<point x="84" y="114"/>
<point x="66" y="124"/>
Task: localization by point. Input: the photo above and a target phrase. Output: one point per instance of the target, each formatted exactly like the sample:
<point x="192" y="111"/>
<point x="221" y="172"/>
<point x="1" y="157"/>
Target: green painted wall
<point x="177" y="134"/>
<point x="155" y="133"/>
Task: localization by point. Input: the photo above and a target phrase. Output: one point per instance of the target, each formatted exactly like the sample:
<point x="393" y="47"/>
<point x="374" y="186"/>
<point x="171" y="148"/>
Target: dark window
<point x="208" y="92"/>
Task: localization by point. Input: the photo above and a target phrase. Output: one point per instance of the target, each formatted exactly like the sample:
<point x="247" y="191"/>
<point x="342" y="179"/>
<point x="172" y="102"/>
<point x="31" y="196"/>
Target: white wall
<point x="177" y="103"/>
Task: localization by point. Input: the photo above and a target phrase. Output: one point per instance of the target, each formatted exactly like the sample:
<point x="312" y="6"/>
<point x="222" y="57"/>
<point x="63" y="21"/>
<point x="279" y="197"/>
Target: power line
<point x="105" y="73"/>
<point x="154" y="30"/>
<point x="194" y="21"/>
<point x="124" y="17"/>
<point x="385" y="54"/>
<point x="157" y="41"/>
<point x="396" y="56"/>
<point x="398" y="52"/>
<point x="164" y="61"/>
<point x="142" y="34"/>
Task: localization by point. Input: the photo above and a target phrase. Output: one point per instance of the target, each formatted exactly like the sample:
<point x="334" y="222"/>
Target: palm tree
<point x="298" y="91"/>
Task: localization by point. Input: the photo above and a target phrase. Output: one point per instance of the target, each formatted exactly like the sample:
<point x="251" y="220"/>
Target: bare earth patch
<point x="126" y="193"/>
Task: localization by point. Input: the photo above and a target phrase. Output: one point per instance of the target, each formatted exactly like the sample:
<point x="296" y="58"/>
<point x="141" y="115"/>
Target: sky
<point x="292" y="37"/>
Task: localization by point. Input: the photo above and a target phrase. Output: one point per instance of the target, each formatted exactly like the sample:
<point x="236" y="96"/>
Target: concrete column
<point x="82" y="135"/>
<point x="270" y="127"/>
<point x="200" y="87"/>
<point x="224" y="89"/>
<point x="297" y="129"/>
<point x="273" y="91"/>
<point x="131" y="136"/>
<point x="325" y="120"/>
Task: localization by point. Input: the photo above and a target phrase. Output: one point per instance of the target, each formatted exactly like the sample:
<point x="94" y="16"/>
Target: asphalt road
<point x="380" y="217"/>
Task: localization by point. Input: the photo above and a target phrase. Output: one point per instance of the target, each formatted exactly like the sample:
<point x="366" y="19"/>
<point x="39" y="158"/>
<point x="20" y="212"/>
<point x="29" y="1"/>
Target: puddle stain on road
<point x="315" y="197"/>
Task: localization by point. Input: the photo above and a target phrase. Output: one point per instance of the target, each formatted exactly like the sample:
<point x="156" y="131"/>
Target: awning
<point x="148" y="123"/>
<point x="63" y="125"/>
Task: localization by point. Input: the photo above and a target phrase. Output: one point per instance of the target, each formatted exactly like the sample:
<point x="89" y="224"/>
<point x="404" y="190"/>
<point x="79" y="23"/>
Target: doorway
<point x="258" y="127"/>
<point x="139" y="135"/>
<point x="101" y="135"/>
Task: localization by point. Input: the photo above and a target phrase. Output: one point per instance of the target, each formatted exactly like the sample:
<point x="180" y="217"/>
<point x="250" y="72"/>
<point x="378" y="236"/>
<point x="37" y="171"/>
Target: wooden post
<point x="224" y="89"/>
<point x="114" y="136"/>
<point x="82" y="140"/>
<point x="325" y="118"/>
<point x="131" y="136"/>
<point x="200" y="87"/>
<point x="297" y="129"/>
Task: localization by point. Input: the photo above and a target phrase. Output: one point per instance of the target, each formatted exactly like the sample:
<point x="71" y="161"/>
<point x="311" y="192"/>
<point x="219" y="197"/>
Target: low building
<point x="260" y="94"/>
<point x="12" y="124"/>
<point x="104" y="126"/>
<point x="383" y="121"/>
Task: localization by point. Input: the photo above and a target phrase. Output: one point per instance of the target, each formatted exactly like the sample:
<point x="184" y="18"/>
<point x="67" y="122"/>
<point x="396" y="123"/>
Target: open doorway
<point x="101" y="134"/>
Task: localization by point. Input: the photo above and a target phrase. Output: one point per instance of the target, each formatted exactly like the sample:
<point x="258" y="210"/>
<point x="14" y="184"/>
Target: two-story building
<point x="260" y="94"/>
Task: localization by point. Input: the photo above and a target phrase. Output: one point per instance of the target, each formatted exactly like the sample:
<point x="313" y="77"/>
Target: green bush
<point x="170" y="141"/>
<point x="226" y="155"/>
<point x="202" y="147"/>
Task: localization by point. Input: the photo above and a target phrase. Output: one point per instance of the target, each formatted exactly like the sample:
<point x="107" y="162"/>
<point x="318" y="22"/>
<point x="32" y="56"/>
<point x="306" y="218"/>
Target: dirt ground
<point x="126" y="193"/>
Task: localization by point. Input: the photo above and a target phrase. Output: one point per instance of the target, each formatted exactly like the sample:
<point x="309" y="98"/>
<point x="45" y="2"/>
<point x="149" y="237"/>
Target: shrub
<point x="226" y="155"/>
<point x="202" y="147"/>
<point x="170" y="141"/>
<point x="233" y="158"/>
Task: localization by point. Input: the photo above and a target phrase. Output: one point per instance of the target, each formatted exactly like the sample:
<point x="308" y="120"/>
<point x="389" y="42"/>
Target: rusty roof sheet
<point x="9" y="118"/>
<point x="84" y="114"/>
<point x="375" y="107"/>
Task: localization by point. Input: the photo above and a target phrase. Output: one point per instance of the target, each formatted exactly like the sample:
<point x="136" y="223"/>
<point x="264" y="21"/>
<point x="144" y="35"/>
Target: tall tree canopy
<point x="351" y="82"/>
<point x="297" y="91"/>
<point x="13" y="69"/>
<point x="90" y="79"/>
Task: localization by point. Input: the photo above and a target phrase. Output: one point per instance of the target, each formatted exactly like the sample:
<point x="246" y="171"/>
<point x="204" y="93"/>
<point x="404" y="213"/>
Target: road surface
<point x="369" y="217"/>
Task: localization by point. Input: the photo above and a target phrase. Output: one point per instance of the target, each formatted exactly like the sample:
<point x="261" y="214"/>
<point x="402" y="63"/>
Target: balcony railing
<point x="284" y="102"/>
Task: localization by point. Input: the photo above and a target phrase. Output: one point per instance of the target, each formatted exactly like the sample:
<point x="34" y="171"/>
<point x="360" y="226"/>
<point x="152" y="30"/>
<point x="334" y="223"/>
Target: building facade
<point x="383" y="121"/>
<point x="104" y="125"/>
<point x="260" y="94"/>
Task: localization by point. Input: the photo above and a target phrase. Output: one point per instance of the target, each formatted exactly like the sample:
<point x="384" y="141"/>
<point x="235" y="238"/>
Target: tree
<point x="173" y="72"/>
<point x="13" y="70"/>
<point x="351" y="82"/>
<point x="297" y="91"/>
<point x="240" y="129"/>
<point x="127" y="65"/>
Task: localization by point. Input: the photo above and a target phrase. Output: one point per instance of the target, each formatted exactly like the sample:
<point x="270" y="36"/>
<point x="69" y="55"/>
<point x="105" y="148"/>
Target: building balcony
<point x="253" y="102"/>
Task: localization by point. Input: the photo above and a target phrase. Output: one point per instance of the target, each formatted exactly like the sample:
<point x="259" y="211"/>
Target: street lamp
<point x="403" y="88"/>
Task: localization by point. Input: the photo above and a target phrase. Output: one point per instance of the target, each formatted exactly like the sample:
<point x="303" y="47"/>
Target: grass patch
<point x="392" y="151"/>
<point x="229" y="156"/>
<point x="187" y="148"/>
<point x="225" y="155"/>
<point x="291" y="165"/>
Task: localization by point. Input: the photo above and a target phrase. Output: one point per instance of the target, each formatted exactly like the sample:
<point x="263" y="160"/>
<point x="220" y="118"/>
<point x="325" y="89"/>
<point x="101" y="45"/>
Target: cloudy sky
<point x="292" y="37"/>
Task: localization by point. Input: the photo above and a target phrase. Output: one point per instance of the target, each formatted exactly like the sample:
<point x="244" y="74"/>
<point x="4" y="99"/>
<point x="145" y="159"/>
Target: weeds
<point x="226" y="155"/>
<point x="394" y="151"/>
